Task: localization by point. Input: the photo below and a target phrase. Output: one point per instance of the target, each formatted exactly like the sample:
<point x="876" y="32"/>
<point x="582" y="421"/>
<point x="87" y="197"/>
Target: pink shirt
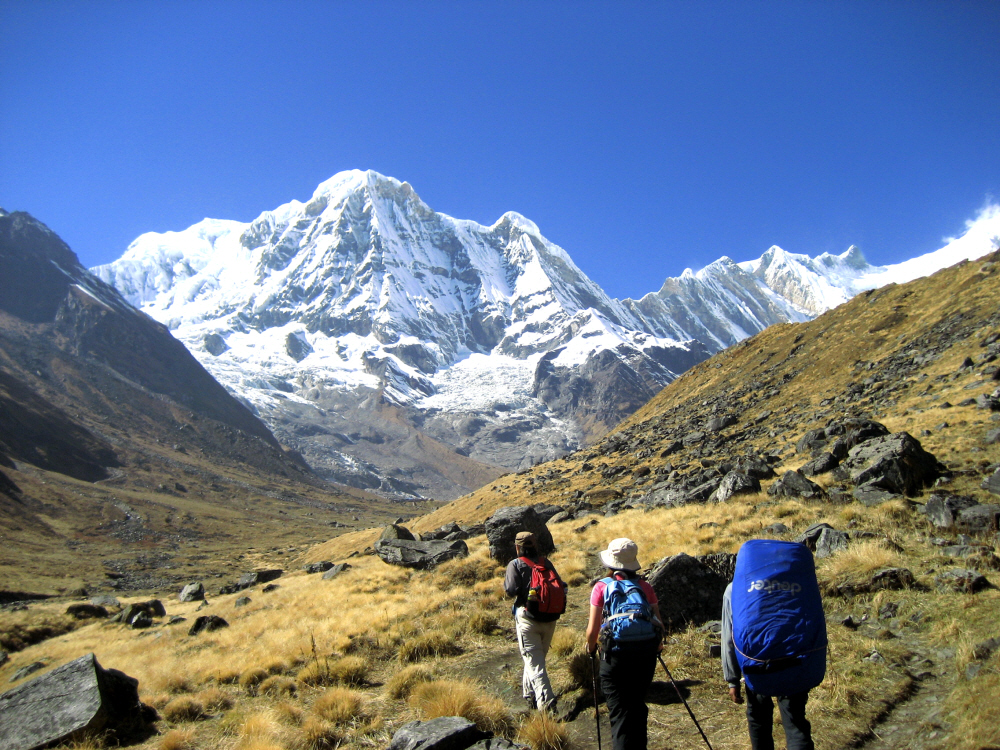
<point x="597" y="595"/>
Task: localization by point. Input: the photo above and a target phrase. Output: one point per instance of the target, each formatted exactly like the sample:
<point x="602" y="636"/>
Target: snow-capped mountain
<point x="401" y="349"/>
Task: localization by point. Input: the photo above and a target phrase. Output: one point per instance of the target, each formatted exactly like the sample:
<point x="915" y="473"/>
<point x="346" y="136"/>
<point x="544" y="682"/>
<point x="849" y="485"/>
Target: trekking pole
<point x="690" y="712"/>
<point x="597" y="715"/>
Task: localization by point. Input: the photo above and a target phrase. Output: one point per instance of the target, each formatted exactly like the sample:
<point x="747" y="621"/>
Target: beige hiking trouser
<point x="534" y="639"/>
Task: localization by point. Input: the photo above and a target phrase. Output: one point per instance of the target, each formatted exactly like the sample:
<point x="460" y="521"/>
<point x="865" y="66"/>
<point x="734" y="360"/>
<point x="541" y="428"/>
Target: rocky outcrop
<point x="895" y="463"/>
<point x="192" y="592"/>
<point x="441" y="733"/>
<point x="419" y="555"/>
<point x="506" y="523"/>
<point x="76" y="699"/>
<point x="689" y="592"/>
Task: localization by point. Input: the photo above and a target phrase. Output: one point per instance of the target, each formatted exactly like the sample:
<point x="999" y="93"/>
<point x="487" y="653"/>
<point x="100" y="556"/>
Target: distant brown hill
<point x="111" y="433"/>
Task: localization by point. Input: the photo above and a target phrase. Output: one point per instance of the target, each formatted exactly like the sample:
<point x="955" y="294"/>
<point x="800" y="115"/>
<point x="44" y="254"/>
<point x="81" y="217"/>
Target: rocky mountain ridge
<point x="405" y="351"/>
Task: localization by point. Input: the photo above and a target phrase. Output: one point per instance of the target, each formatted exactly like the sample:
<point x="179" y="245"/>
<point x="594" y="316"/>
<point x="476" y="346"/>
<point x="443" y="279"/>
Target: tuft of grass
<point x="289" y="713"/>
<point x="320" y="735"/>
<point x="465" y="571"/>
<point x="253" y="677"/>
<point x="184" y="708"/>
<point x="338" y="705"/>
<point x="401" y="684"/>
<point x="483" y="621"/>
<point x="581" y="671"/>
<point x="564" y="641"/>
<point x="277" y="685"/>
<point x="178" y="739"/>
<point x="348" y="670"/>
<point x="542" y="732"/>
<point x="215" y="699"/>
<point x="858" y="563"/>
<point x="431" y="643"/>
<point x="462" y="698"/>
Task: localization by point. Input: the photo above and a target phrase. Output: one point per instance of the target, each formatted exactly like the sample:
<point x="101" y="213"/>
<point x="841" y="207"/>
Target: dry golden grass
<point x="462" y="698"/>
<point x="18" y="630"/>
<point x="277" y="685"/>
<point x="581" y="670"/>
<point x="401" y="684"/>
<point x="250" y="679"/>
<point x="215" y="699"/>
<point x="338" y="705"/>
<point x="540" y="731"/>
<point x="565" y="640"/>
<point x="320" y="735"/>
<point x="178" y="739"/>
<point x="483" y="621"/>
<point x="857" y="563"/>
<point x="432" y="643"/>
<point x="184" y="708"/>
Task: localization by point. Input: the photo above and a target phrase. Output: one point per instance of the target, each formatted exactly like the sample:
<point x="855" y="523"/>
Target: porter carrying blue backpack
<point x="778" y="625"/>
<point x="628" y="615"/>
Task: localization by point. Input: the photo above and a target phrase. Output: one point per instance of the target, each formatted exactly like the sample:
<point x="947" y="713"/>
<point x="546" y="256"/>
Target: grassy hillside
<point x="342" y="663"/>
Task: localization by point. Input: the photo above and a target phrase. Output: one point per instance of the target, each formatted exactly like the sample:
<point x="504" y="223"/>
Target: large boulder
<point x="504" y="525"/>
<point x="992" y="483"/>
<point x="193" y="592"/>
<point x="979" y="518"/>
<point x="396" y="531"/>
<point x="942" y="508"/>
<point x="735" y="483"/>
<point x="76" y="699"/>
<point x="419" y="555"/>
<point x="258" y="576"/>
<point x="689" y="592"/>
<point x="442" y="733"/>
<point x="795" y="484"/>
<point x="897" y="463"/>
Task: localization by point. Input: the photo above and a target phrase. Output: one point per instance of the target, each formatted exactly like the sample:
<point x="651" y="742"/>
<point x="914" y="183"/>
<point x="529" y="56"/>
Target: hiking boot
<point x="530" y="700"/>
<point x="550" y="706"/>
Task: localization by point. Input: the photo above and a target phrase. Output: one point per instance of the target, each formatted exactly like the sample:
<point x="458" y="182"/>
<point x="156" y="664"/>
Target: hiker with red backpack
<point x="625" y="622"/>
<point x="539" y="598"/>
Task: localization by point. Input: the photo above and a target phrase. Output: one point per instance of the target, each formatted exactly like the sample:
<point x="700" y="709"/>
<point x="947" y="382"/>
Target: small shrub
<point x="338" y="705"/>
<point x="542" y="732"/>
<point x="350" y="670"/>
<point x="433" y="643"/>
<point x="184" y="708"/>
<point x="462" y="698"/>
<point x="401" y="684"/>
<point x="289" y="713"/>
<point x="178" y="739"/>
<point x="251" y="678"/>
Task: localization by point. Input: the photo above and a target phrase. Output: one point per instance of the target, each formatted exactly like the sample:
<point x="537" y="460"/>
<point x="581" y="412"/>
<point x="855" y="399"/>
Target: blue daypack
<point x="628" y="615"/>
<point x="779" y="629"/>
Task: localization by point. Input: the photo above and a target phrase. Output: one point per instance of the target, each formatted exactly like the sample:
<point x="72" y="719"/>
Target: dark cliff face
<point x="73" y="352"/>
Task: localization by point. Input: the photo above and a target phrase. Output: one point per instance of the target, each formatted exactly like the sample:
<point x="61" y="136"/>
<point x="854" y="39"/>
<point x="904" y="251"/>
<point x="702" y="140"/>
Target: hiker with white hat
<point x="539" y="598"/>
<point x="625" y="622"/>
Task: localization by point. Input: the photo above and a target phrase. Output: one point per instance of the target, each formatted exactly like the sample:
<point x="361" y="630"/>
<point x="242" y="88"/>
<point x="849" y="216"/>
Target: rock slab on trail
<point x="78" y="697"/>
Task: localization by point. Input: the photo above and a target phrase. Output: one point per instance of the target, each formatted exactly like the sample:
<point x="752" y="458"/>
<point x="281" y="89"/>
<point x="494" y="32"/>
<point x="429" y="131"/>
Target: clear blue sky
<point x="643" y="137"/>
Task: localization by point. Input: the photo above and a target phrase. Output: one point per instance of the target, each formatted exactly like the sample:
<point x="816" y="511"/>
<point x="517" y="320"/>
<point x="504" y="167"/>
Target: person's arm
<point x="730" y="666"/>
<point x="512" y="579"/>
<point x="594" y="628"/>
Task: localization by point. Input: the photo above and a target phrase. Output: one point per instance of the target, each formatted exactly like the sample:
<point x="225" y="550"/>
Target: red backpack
<point x="546" y="592"/>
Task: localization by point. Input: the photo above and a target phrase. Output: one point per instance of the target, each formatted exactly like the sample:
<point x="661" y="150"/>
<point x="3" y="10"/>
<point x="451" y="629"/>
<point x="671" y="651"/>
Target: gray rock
<point x="84" y="611"/>
<point x="318" y="567"/>
<point x="504" y="525"/>
<point x="148" y="610"/>
<point x="992" y="483"/>
<point x="497" y="743"/>
<point x="76" y="699"/>
<point x="734" y="483"/>
<point x="872" y="495"/>
<point x="720" y="423"/>
<point x="723" y="563"/>
<point x="942" y="508"/>
<point x="754" y="467"/>
<point x="775" y="528"/>
<point x="892" y="579"/>
<point x="965" y="581"/>
<point x="193" y="592"/>
<point x="242" y="601"/>
<point x="831" y="541"/>
<point x="993" y="436"/>
<point x="105" y="600"/>
<point x="811" y="535"/>
<point x="419" y="555"/>
<point x="897" y="463"/>
<point x="27" y="670"/>
<point x="335" y="571"/>
<point x="395" y="531"/>
<point x="141" y="620"/>
<point x="985" y="650"/>
<point x="442" y="733"/>
<point x="258" y="576"/>
<point x="207" y="623"/>
<point x="823" y="463"/>
<point x="795" y="484"/>
<point x="689" y="592"/>
<point x="4" y="658"/>
<point x="979" y="518"/>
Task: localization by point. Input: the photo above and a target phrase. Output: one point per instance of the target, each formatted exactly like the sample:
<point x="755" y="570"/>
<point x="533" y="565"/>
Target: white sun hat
<point x="621" y="554"/>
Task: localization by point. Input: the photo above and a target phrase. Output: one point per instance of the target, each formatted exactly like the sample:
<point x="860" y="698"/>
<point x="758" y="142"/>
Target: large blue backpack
<point x="778" y="625"/>
<point x="628" y="615"/>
